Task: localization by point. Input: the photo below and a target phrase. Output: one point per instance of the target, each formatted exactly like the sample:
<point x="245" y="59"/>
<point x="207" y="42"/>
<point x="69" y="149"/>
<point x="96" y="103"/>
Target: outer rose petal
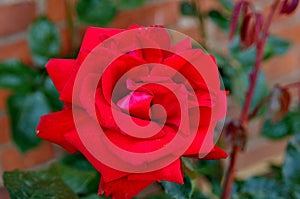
<point x="54" y="126"/>
<point x="172" y="173"/>
<point x="123" y="188"/>
<point x="108" y="174"/>
<point x="60" y="70"/>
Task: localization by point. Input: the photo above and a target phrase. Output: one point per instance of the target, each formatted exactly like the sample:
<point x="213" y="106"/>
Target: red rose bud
<point x="251" y="29"/>
<point x="136" y="101"/>
<point x="240" y="8"/>
<point x="288" y="6"/>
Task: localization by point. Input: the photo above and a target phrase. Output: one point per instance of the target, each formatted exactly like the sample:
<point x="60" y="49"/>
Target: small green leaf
<point x="16" y="75"/>
<point x="291" y="169"/>
<point x="178" y="191"/>
<point x="44" y="41"/>
<point x="188" y="8"/>
<point x="77" y="161"/>
<point x="263" y="188"/>
<point x="276" y="46"/>
<point x="25" y="111"/>
<point x="228" y="4"/>
<point x="36" y="185"/>
<point x="80" y="181"/>
<point x="220" y="20"/>
<point x="52" y="94"/>
<point x="289" y="125"/>
<point x="96" y="12"/>
<point x="241" y="84"/>
<point x="93" y="196"/>
<point x="129" y="4"/>
<point x="199" y="195"/>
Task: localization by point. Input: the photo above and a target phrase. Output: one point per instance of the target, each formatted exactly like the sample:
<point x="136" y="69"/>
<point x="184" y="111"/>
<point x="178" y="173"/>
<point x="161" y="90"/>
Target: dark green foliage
<point x="44" y="41"/>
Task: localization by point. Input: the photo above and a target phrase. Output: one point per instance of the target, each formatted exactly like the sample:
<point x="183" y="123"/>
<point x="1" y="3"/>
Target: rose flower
<point x="134" y="104"/>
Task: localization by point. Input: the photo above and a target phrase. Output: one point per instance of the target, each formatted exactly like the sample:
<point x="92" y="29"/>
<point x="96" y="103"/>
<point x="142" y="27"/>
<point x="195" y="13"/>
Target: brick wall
<point x="16" y="15"/>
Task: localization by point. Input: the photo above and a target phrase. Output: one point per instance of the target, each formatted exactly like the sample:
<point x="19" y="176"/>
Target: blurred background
<point x="70" y="18"/>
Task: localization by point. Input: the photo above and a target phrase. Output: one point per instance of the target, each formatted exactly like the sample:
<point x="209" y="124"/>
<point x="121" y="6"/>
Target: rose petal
<point x="59" y="71"/>
<point x="171" y="173"/>
<point x="54" y="126"/>
<point x="123" y="188"/>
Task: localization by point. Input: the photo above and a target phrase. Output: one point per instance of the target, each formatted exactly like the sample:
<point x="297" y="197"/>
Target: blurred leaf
<point x="178" y="191"/>
<point x="80" y="181"/>
<point x="93" y="196"/>
<point x="44" y="41"/>
<point x="36" y="185"/>
<point x="241" y="84"/>
<point x="25" y="111"/>
<point x="199" y="195"/>
<point x="228" y="4"/>
<point x="52" y="94"/>
<point x="289" y="125"/>
<point x="213" y="171"/>
<point x="158" y="196"/>
<point x="188" y="8"/>
<point x="291" y="169"/>
<point x="263" y="188"/>
<point x="96" y="12"/>
<point x="278" y="104"/>
<point x="129" y="4"/>
<point x="220" y="20"/>
<point x="246" y="58"/>
<point x="276" y="46"/>
<point x="16" y="75"/>
<point x="77" y="161"/>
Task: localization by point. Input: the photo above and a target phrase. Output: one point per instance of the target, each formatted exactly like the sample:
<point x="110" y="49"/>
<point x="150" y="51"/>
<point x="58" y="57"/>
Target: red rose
<point x="113" y="95"/>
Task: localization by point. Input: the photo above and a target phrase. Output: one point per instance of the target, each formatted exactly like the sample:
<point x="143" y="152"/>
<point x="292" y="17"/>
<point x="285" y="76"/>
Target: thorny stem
<point x="260" y="47"/>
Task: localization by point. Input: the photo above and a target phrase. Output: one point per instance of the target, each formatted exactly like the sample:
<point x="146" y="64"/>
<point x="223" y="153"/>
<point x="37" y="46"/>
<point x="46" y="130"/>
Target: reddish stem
<point x="260" y="47"/>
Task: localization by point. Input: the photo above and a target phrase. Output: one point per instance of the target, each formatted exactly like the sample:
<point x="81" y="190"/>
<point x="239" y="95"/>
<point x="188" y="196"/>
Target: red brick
<point x="160" y="13"/>
<point x="16" y="17"/>
<point x="3" y="97"/>
<point x="39" y="155"/>
<point x="4" y="130"/>
<point x="56" y="10"/>
<point x="18" y="49"/>
<point x="289" y="31"/>
<point x="12" y="159"/>
<point x="282" y="66"/>
<point x="66" y="48"/>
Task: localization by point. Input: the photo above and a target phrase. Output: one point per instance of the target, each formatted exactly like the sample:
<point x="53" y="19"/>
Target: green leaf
<point x="96" y="12"/>
<point x="25" y="111"/>
<point x="77" y="161"/>
<point x="188" y="8"/>
<point x="129" y="4"/>
<point x="291" y="169"/>
<point x="80" y="181"/>
<point x="199" y="195"/>
<point x="263" y="188"/>
<point x="213" y="172"/>
<point x="93" y="196"/>
<point x="52" y="94"/>
<point x="44" y="41"/>
<point x="246" y="58"/>
<point x="178" y="191"/>
<point x="228" y="4"/>
<point x="36" y="185"/>
<point x="16" y="75"/>
<point x="289" y="125"/>
<point x="276" y="46"/>
<point x="241" y="84"/>
<point x="220" y="20"/>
